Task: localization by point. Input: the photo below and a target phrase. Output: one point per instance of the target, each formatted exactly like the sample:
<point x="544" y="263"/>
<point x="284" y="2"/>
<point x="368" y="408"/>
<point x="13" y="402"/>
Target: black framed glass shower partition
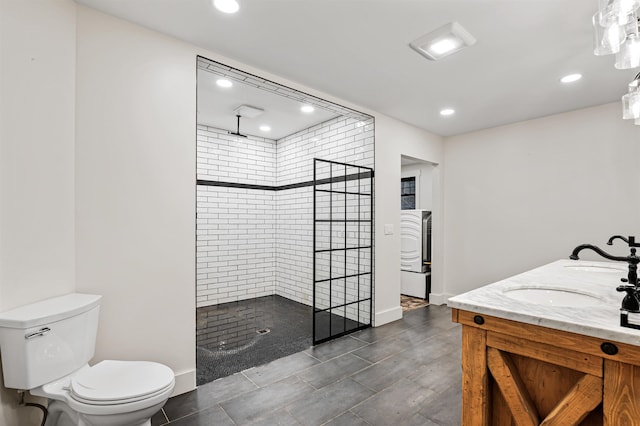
<point x="342" y="249"/>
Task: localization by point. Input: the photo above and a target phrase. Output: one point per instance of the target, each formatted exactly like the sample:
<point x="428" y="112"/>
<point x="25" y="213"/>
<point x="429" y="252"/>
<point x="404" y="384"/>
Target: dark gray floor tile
<point x="333" y="370"/>
<point x="159" y="419"/>
<point x="429" y="350"/>
<point x="444" y="407"/>
<point x="347" y="419"/>
<point x="382" y="349"/>
<point x="334" y="348"/>
<point x="428" y="330"/>
<point x="328" y="402"/>
<point x="276" y="418"/>
<point x="207" y="396"/>
<point x="396" y="405"/>
<point x="211" y="416"/>
<point x="386" y="331"/>
<point x="416" y="373"/>
<point x="279" y="369"/>
<point x="419" y="420"/>
<point x="442" y="373"/>
<point x="420" y="316"/>
<point x="386" y="372"/>
<point x="252" y="406"/>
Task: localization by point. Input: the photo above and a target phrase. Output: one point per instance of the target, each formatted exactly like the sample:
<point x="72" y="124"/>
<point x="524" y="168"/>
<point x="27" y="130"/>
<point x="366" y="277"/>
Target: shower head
<point x="237" y="132"/>
<point x="245" y="111"/>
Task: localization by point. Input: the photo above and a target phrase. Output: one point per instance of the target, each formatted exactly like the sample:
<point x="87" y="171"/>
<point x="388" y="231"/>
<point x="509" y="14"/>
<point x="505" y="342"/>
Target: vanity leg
<point x="621" y="402"/>
<point x="475" y="379"/>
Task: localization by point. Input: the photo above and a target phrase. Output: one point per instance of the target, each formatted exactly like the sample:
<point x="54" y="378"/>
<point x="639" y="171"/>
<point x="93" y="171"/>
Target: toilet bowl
<point x="46" y="347"/>
<point x="111" y="393"/>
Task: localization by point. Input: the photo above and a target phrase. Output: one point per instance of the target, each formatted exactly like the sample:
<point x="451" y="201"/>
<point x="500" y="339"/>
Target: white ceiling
<point x="216" y="107"/>
<point x="359" y="51"/>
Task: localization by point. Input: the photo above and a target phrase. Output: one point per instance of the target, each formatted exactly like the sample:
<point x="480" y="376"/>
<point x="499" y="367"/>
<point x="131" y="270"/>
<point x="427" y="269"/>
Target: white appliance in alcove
<point x="415" y="252"/>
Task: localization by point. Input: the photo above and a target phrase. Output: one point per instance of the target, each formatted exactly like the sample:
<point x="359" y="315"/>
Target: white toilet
<point x="45" y="348"/>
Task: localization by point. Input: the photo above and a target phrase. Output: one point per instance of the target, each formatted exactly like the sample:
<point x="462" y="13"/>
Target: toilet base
<point x="60" y="414"/>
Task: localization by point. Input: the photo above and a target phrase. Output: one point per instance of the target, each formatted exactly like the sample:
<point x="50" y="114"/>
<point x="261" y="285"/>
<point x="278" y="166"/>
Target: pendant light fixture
<point x="615" y="27"/>
<point x="616" y="31"/>
<point x="631" y="101"/>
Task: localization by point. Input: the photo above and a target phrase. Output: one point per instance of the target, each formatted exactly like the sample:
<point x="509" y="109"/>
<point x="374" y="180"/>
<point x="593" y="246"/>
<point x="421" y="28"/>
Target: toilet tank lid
<point x="49" y="310"/>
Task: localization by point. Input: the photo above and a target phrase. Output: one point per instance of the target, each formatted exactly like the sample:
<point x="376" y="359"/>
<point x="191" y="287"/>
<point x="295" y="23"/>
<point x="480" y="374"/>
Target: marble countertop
<point x="600" y="318"/>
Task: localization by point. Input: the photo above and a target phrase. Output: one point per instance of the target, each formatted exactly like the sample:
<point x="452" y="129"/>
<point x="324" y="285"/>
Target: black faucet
<point x="631" y="302"/>
<point x="577" y="250"/>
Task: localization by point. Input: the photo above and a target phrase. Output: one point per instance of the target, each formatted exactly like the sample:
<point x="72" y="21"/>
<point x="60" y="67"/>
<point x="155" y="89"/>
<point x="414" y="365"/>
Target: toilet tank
<point x="47" y="340"/>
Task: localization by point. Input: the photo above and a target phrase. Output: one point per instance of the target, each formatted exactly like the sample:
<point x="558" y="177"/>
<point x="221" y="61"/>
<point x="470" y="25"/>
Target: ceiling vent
<point x="443" y="41"/>
<point x="248" y="111"/>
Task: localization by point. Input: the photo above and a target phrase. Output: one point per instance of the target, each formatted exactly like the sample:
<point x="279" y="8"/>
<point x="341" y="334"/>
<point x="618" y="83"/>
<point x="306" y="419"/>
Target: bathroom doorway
<point x="416" y="237"/>
<point x="256" y="145"/>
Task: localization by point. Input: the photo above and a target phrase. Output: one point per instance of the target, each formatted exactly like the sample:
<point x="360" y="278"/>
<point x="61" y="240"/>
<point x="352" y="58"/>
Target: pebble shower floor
<point x="235" y="336"/>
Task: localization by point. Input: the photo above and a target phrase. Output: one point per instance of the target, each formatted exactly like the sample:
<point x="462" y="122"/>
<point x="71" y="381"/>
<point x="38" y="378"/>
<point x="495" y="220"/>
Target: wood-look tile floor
<point x="409" y="303"/>
<point x="403" y="373"/>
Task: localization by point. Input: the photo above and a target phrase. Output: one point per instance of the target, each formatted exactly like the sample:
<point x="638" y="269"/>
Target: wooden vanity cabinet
<point x="522" y="374"/>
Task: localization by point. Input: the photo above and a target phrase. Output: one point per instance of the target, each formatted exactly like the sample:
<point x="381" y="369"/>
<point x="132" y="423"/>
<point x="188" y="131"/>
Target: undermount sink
<point x="597" y="268"/>
<point x="552" y="296"/>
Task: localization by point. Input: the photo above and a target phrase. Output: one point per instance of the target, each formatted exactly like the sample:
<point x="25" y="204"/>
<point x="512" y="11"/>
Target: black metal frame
<point x="361" y="323"/>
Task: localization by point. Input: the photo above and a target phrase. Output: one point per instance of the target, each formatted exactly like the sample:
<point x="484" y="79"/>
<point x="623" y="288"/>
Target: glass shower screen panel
<point x="342" y="249"/>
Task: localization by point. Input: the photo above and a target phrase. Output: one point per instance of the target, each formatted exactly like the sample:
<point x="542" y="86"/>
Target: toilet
<point x="45" y="349"/>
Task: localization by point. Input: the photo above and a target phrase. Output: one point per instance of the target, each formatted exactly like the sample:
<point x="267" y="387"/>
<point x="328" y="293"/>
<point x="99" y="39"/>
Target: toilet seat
<point x="117" y="398"/>
<point x="120" y="382"/>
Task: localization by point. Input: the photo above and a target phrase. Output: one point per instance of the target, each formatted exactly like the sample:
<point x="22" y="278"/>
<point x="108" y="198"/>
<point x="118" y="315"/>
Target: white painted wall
<point x="522" y="195"/>
<point x="394" y="139"/>
<point x="37" y="107"/>
<point x="135" y="190"/>
<point x="424" y="183"/>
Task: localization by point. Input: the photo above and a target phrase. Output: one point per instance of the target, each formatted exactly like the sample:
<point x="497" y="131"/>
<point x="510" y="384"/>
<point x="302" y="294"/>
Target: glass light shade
<point x="631" y="106"/>
<point x="617" y="11"/>
<point x="629" y="54"/>
<point x="627" y="6"/>
<point x="606" y="39"/>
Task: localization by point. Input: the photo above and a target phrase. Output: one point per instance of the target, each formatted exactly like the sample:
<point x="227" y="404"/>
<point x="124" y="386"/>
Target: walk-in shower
<point x="257" y="232"/>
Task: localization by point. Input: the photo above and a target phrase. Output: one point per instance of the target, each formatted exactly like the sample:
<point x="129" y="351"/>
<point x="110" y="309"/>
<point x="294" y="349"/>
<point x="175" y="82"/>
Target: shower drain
<point x="263" y="331"/>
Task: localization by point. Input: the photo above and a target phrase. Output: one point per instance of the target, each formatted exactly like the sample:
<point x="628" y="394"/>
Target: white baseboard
<point x="388" y="315"/>
<point x="439" y="298"/>
<point x="185" y="382"/>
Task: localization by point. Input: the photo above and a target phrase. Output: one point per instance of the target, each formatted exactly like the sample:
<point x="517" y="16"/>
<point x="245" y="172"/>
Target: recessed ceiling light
<point x="226" y="6"/>
<point x="223" y="82"/>
<point x="265" y="128"/>
<point x="571" y="78"/>
<point x="443" y="41"/>
<point x="443" y="46"/>
<point x="447" y="111"/>
<point x="307" y="108"/>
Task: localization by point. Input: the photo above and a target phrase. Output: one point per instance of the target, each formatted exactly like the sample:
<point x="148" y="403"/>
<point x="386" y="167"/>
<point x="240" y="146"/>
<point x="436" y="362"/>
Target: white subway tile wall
<point x="255" y="242"/>
<point x="345" y="140"/>
<point x="235" y="244"/>
<point x="235" y="227"/>
<point x="228" y="158"/>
